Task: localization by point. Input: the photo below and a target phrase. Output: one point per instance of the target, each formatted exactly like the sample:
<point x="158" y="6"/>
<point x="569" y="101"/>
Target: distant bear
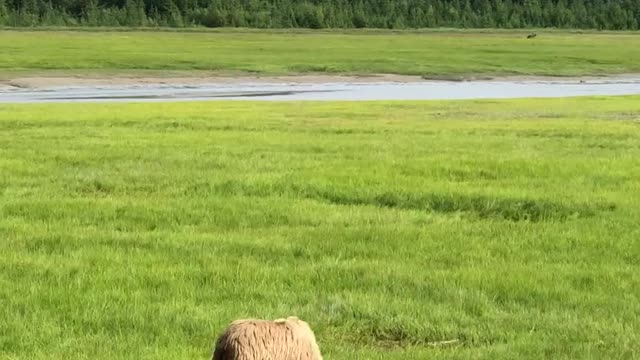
<point x="531" y="36"/>
<point x="282" y="339"/>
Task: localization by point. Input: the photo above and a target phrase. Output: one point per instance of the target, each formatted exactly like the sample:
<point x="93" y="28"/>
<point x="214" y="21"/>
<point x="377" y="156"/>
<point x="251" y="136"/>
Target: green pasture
<point x="138" y="231"/>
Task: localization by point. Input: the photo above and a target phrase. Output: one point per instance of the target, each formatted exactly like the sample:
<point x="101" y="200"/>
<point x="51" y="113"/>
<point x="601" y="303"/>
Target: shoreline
<point x="41" y="82"/>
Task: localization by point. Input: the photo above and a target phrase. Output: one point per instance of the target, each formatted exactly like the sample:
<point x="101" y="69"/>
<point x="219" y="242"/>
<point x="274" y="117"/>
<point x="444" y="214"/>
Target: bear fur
<point x="282" y="339"/>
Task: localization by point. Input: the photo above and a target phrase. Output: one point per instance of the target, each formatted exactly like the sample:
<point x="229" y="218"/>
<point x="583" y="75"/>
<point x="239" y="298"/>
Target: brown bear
<point x="282" y="339"/>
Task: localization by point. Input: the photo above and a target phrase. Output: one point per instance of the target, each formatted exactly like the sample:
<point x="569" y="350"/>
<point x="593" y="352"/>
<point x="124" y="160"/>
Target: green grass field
<point x="433" y="54"/>
<point x="138" y="231"/>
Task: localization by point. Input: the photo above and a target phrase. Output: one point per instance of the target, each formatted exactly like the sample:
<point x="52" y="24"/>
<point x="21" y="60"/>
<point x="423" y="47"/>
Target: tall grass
<point x="140" y="230"/>
<point x="429" y="54"/>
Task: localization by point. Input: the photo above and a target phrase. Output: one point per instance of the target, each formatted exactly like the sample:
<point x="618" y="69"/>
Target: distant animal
<point x="281" y="339"/>
<point x="531" y="36"/>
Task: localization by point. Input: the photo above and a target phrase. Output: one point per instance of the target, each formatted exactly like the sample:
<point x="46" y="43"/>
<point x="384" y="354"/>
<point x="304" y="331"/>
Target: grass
<point x="431" y="54"/>
<point x="138" y="231"/>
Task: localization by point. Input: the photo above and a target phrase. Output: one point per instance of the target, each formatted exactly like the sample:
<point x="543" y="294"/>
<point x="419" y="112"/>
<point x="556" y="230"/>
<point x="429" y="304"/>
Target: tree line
<point x="317" y="14"/>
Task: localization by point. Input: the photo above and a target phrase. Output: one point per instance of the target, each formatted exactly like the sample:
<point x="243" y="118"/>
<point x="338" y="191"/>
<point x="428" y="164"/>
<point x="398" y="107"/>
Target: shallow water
<point x="426" y="90"/>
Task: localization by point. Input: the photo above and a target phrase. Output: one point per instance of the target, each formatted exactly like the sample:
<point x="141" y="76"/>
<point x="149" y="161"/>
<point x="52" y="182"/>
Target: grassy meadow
<point x="138" y="231"/>
<point x="431" y="54"/>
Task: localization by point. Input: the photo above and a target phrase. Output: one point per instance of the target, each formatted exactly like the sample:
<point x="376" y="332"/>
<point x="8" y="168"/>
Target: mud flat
<point x="307" y="87"/>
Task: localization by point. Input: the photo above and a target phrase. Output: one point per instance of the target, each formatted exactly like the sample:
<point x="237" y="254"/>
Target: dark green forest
<point x="316" y="14"/>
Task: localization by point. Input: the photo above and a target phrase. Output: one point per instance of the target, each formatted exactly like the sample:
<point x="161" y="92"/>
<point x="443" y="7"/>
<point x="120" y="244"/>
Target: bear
<point x="255" y="339"/>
